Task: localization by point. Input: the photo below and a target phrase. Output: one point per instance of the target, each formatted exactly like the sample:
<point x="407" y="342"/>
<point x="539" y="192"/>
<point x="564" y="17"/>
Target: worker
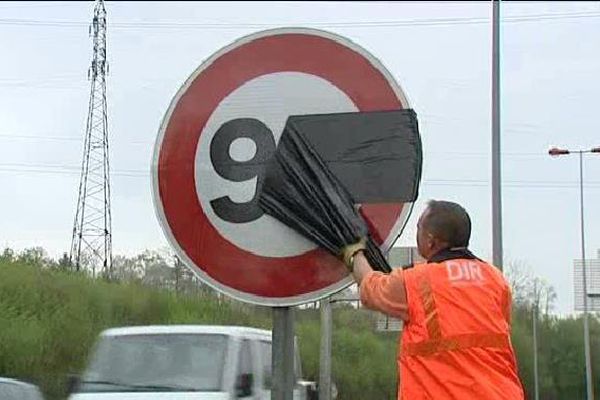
<point x="456" y="309"/>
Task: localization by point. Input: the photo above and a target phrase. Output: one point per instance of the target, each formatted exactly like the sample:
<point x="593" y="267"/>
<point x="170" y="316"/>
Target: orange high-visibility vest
<point x="456" y="343"/>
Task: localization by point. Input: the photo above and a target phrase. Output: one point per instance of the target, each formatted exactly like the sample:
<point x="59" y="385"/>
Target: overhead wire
<point x="6" y="136"/>
<point x="355" y="24"/>
<point x="351" y="24"/>
<point x="65" y="169"/>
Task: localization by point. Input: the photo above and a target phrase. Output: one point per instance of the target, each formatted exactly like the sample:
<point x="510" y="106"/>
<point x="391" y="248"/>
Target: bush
<point x="49" y="320"/>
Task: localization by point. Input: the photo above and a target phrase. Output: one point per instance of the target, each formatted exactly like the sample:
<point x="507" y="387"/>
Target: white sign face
<point x="270" y="99"/>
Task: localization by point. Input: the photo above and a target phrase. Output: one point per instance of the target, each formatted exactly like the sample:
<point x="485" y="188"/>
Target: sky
<point x="439" y="53"/>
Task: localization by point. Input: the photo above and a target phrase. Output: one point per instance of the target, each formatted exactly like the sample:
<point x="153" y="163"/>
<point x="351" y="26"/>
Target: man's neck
<point x="451" y="254"/>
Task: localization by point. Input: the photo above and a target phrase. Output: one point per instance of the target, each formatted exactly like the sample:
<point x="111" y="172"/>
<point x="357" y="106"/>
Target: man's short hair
<point x="449" y="222"/>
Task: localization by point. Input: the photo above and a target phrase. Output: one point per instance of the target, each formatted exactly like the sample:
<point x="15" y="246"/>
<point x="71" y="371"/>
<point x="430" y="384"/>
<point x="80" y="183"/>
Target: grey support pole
<point x="586" y="324"/>
<point x="536" y="382"/>
<point x="496" y="163"/>
<point x="325" y="354"/>
<point x="283" y="354"/>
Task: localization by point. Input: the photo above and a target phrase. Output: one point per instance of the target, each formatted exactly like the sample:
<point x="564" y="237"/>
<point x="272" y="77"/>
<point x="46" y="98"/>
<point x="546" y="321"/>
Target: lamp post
<point x="536" y="380"/>
<point x="556" y="152"/>
<point x="497" y="251"/>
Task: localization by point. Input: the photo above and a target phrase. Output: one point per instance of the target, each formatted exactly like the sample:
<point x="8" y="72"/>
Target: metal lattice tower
<point x="91" y="247"/>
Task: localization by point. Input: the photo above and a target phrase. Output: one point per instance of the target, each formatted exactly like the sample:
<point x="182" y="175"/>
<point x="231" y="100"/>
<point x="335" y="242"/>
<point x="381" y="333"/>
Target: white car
<point x="12" y="389"/>
<point x="192" y="362"/>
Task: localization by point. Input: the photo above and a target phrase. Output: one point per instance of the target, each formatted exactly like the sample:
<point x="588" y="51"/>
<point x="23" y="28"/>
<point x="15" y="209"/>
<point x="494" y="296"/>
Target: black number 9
<point x="239" y="171"/>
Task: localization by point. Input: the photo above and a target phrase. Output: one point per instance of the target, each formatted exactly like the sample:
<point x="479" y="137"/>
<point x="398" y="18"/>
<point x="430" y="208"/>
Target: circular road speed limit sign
<point x="221" y="128"/>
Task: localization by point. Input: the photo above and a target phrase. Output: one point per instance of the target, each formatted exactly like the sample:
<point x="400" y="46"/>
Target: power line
<point x="151" y="143"/>
<point x="39" y="137"/>
<point x="44" y="79"/>
<point x="66" y="167"/>
<point x="38" y="4"/>
<point x="455" y="154"/>
<point x="22" y="171"/>
<point x="139" y="173"/>
<point x="352" y="24"/>
<point x="64" y="138"/>
<point x="53" y="82"/>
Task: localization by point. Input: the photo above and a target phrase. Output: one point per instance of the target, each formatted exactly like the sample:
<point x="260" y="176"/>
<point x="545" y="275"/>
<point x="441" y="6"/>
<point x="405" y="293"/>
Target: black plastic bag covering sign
<point x="326" y="164"/>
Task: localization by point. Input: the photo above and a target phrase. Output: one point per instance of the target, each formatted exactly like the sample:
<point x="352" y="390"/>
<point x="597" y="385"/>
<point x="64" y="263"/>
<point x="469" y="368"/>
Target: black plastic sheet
<point x="325" y="165"/>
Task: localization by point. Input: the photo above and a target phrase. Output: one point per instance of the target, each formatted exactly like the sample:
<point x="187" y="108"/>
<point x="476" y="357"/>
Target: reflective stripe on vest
<point x="436" y="343"/>
<point x="459" y="342"/>
<point x="431" y="316"/>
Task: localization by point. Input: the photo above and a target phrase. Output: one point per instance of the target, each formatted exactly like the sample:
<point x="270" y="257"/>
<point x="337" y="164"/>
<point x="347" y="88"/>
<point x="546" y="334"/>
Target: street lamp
<point x="556" y="152"/>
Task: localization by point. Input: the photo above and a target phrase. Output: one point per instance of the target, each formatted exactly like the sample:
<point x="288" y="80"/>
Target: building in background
<point x="403" y="256"/>
<point x="593" y="283"/>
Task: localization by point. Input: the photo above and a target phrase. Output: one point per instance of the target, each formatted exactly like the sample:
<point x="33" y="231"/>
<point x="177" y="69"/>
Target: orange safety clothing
<point x="456" y="338"/>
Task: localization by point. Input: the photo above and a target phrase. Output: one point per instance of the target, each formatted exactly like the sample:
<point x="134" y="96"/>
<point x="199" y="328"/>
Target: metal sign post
<point x="325" y="354"/>
<point x="283" y="354"/>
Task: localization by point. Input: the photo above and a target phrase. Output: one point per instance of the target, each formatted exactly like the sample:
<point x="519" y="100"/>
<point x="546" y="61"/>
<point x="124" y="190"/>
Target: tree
<point x="529" y="290"/>
<point x="35" y="256"/>
<point x="8" y="255"/>
<point x="186" y="281"/>
<point x="126" y="269"/>
<point x="158" y="272"/>
<point x="65" y="264"/>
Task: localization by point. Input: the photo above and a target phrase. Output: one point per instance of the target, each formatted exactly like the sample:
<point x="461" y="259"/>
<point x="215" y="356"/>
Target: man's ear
<point x="435" y="244"/>
<point x="431" y="241"/>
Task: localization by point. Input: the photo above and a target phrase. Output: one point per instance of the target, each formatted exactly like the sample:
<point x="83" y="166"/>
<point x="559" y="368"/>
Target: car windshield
<point x="15" y="391"/>
<point x="157" y="362"/>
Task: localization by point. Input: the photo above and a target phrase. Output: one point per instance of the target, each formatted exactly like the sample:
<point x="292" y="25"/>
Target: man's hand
<point x="349" y="251"/>
<point x="355" y="260"/>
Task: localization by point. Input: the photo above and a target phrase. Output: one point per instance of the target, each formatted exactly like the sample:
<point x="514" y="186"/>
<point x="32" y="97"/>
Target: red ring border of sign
<point x="336" y="278"/>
